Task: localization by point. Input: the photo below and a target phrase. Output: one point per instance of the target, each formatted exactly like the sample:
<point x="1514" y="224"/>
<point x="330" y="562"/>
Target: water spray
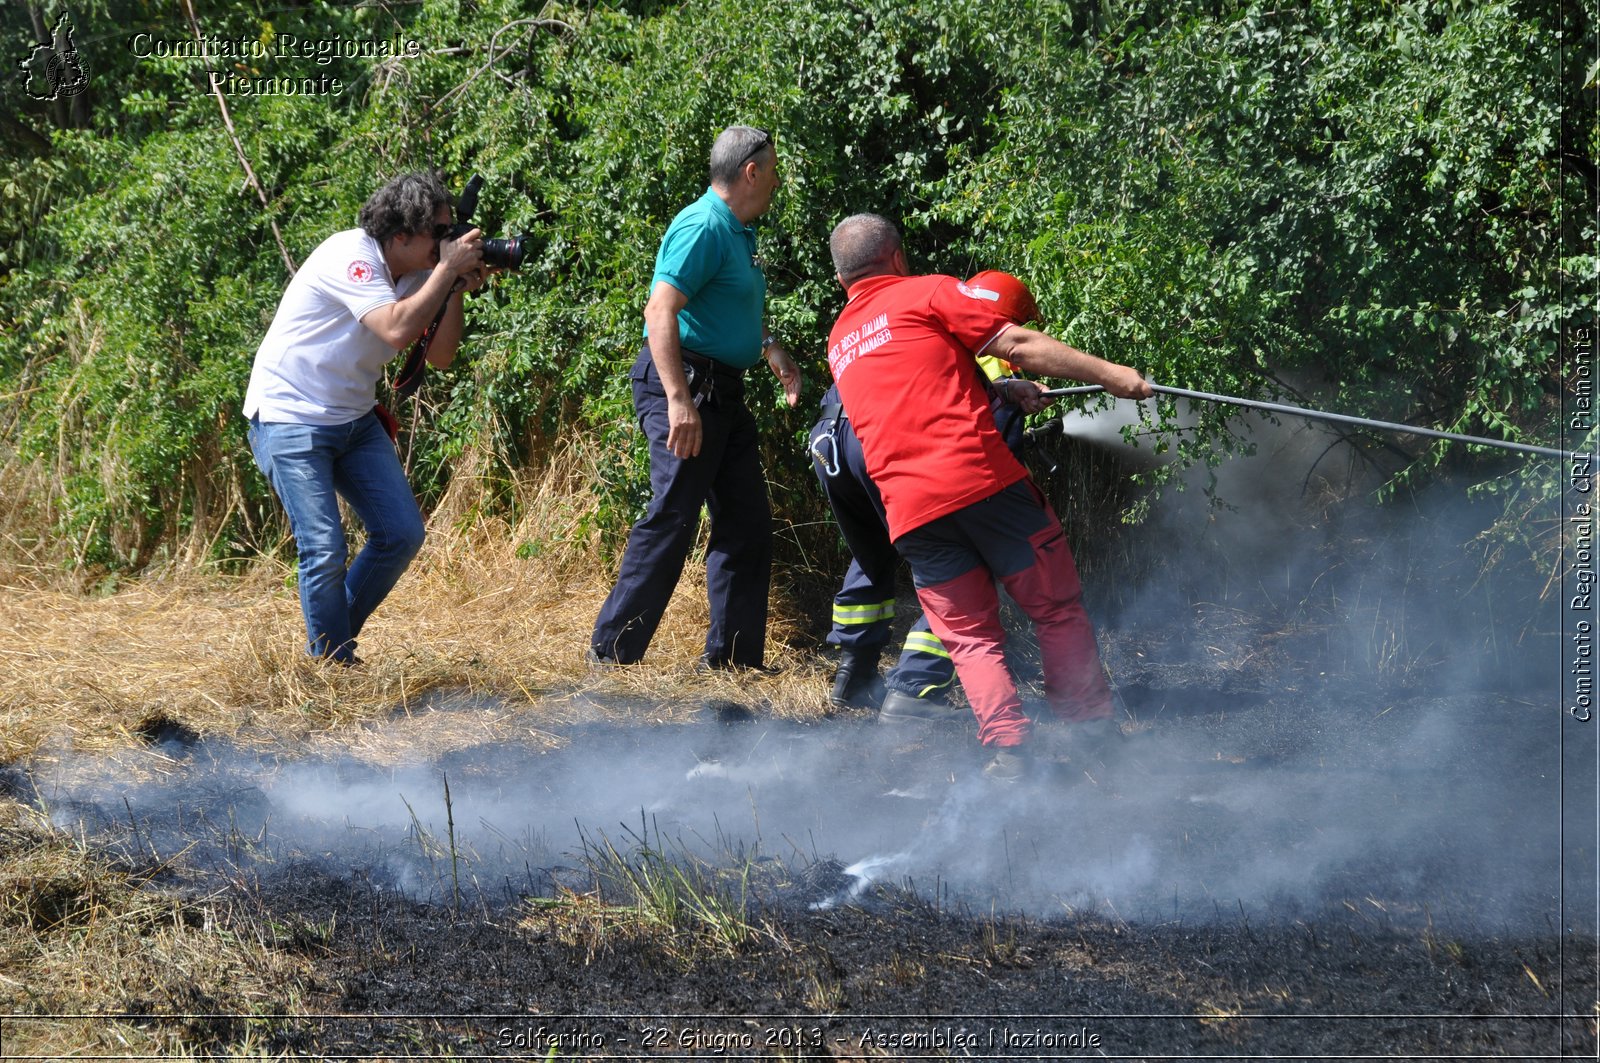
<point x="1340" y="418"/>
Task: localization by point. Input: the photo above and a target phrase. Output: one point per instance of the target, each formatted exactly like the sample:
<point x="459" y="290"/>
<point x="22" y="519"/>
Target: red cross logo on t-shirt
<point x="359" y="271"/>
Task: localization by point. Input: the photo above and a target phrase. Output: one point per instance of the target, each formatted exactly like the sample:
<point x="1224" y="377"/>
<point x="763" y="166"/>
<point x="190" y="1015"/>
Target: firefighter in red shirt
<point x="961" y="509"/>
<point x="915" y="689"/>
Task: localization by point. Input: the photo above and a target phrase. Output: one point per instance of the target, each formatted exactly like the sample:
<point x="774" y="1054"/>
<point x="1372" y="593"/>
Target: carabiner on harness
<point x="825" y="449"/>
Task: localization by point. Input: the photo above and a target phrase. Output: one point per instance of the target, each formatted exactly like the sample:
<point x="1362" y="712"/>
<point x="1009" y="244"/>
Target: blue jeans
<point x="311" y="467"/>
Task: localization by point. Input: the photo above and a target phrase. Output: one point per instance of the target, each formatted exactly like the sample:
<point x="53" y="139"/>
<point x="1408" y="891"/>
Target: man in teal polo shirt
<point x="703" y="328"/>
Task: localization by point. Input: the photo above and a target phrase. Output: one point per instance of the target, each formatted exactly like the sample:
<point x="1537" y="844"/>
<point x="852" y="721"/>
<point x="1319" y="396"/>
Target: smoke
<point x="1432" y="810"/>
<point x="1327" y="724"/>
<point x="859" y="878"/>
<point x="1402" y="584"/>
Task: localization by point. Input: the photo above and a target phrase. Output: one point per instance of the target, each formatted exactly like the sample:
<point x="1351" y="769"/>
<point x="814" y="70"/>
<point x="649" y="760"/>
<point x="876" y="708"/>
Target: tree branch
<point x="494" y="42"/>
<point x="227" y="121"/>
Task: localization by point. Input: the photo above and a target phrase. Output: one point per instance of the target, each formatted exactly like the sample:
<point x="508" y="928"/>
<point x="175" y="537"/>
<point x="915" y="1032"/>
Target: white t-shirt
<point x="318" y="363"/>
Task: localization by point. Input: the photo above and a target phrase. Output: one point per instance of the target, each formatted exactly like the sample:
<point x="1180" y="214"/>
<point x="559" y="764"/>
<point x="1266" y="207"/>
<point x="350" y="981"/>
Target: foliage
<point x="1353" y="196"/>
<point x="1388" y="206"/>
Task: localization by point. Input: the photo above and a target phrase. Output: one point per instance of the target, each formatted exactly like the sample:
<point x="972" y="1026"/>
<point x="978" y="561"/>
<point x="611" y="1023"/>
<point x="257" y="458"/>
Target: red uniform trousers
<point x="1012" y="536"/>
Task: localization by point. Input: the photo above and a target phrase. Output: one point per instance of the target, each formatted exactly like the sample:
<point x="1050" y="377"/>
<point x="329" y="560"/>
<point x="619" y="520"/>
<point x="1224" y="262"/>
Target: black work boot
<point x="856" y="684"/>
<point x="902" y="708"/>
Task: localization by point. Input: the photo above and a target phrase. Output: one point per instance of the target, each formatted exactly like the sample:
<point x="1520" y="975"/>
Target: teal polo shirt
<point x="709" y="255"/>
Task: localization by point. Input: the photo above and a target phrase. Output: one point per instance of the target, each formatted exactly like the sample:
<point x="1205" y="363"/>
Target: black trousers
<point x="726" y="479"/>
<point x="864" y="607"/>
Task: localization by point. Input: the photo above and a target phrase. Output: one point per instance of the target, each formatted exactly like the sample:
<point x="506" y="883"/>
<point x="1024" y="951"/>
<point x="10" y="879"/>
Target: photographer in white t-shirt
<point x="363" y="295"/>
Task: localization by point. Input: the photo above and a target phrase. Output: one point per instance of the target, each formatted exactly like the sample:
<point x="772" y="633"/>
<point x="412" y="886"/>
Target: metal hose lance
<point x="1362" y="422"/>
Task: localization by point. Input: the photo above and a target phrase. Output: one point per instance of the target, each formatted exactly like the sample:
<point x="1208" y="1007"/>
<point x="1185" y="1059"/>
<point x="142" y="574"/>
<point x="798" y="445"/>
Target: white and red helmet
<point x="1015" y="301"/>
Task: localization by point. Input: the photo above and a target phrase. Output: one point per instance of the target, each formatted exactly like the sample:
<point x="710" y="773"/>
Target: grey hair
<point x="733" y="149"/>
<point x="406" y="204"/>
<point x="861" y="243"/>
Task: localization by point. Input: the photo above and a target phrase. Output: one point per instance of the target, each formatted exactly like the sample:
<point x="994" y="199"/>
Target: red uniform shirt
<point x="904" y="355"/>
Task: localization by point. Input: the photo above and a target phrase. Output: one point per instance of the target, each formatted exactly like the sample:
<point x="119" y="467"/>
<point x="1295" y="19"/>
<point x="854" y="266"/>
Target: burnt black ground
<point x="1330" y="871"/>
<point x="904" y="969"/>
<point x="1351" y="819"/>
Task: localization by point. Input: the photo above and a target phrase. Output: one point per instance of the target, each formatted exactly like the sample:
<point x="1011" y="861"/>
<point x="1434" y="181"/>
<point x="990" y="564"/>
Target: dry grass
<point x="80" y="937"/>
<point x="223" y="654"/>
<point x="86" y="672"/>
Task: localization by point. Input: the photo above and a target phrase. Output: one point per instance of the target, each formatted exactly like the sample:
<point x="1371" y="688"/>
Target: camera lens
<point x="503" y="253"/>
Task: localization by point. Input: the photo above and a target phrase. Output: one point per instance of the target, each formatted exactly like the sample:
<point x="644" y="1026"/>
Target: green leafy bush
<point x="1390" y="206"/>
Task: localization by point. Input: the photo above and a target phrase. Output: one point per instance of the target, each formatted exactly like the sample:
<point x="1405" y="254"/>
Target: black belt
<point x="705" y="364"/>
<point x="833" y="411"/>
<point x="703" y="374"/>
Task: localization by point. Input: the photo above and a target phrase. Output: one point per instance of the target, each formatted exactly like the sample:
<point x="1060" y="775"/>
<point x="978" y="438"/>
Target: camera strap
<point x="416" y="364"/>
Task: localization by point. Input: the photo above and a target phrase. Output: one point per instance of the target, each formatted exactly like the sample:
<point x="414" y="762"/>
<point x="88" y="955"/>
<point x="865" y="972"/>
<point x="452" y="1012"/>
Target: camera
<point x="503" y="253"/>
<point x="498" y="252"/>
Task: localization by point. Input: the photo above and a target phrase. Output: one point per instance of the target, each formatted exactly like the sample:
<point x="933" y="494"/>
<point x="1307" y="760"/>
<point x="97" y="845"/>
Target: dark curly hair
<point x="406" y="204"/>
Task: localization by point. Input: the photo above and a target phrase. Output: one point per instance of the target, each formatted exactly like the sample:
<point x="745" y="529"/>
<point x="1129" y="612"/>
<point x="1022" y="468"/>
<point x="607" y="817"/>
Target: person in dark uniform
<point x="704" y="327"/>
<point x="864" y="608"/>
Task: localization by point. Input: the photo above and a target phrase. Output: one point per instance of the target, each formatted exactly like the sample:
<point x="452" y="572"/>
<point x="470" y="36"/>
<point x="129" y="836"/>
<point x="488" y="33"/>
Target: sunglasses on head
<point x="762" y="143"/>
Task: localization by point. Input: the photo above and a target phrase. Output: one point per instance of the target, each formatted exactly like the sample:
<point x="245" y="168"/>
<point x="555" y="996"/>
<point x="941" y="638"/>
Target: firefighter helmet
<point x="1015" y="302"/>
